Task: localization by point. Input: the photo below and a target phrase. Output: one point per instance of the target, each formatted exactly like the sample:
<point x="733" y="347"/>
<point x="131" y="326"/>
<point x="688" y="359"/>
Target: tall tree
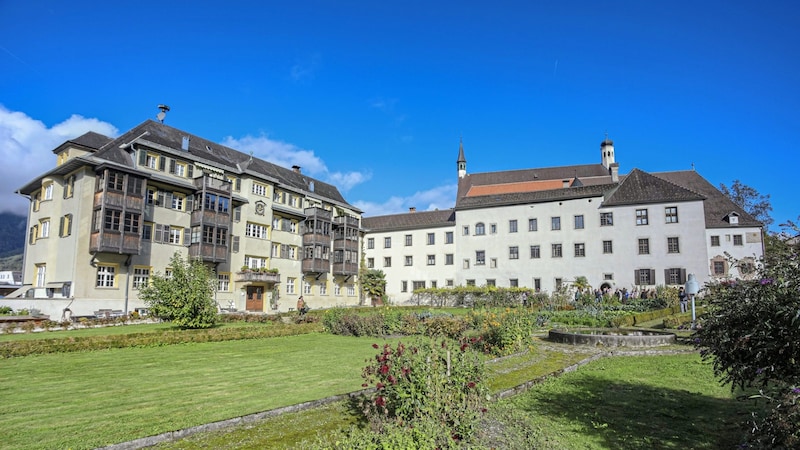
<point x="750" y="200"/>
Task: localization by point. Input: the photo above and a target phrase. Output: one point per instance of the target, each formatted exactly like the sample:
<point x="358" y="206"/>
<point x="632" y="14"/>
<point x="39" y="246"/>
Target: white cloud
<point x="26" y="148"/>
<point x="306" y="69"/>
<point x="287" y="155"/>
<point x="442" y="197"/>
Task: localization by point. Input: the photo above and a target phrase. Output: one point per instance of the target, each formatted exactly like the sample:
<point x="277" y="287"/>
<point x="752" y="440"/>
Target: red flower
<point x="392" y="379"/>
<point x="384" y="369"/>
<point x="380" y="401"/>
<point x="379" y="386"/>
<point x="374" y="345"/>
<point x="471" y="384"/>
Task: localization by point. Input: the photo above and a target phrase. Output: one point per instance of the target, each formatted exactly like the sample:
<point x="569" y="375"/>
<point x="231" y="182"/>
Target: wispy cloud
<point x="287" y="155"/>
<point x="26" y="146"/>
<point x="441" y="197"/>
<point x="306" y="69"/>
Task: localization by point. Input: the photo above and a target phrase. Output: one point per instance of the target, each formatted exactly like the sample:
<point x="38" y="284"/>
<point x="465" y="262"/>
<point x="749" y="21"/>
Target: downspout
<point x="127" y="281"/>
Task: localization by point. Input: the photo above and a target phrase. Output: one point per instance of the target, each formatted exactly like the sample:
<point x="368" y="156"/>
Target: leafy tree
<point x="750" y="200"/>
<point x="373" y="282"/>
<point x="751" y="332"/>
<point x="185" y="297"/>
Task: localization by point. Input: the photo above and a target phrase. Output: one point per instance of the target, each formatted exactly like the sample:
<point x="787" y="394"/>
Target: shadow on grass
<point x="632" y="416"/>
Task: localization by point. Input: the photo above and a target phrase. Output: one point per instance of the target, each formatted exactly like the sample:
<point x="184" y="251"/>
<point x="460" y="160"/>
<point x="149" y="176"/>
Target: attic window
<point x="185" y="143"/>
<point x="733" y="219"/>
<point x="208" y="148"/>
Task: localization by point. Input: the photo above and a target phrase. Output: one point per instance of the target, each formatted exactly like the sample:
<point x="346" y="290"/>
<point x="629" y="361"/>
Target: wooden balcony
<point x="345" y="268"/>
<point x="318" y="213"/>
<point x="211" y="183"/>
<point x="316" y="265"/>
<point x="115" y="242"/>
<point x="118" y="199"/>
<point x="345" y="244"/>
<point x="209" y="252"/>
<point x="316" y="238"/>
<point x="210" y="218"/>
<point x="349" y="221"/>
<point x="258" y="277"/>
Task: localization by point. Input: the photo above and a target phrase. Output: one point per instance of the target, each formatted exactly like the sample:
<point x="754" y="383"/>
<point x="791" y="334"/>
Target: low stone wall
<point x="612" y="337"/>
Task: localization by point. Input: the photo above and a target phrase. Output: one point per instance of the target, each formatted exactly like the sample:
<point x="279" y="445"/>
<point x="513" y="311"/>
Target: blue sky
<point x="374" y="96"/>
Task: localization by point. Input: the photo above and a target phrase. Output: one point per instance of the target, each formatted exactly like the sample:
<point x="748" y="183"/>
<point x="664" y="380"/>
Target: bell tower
<point x="462" y="161"/>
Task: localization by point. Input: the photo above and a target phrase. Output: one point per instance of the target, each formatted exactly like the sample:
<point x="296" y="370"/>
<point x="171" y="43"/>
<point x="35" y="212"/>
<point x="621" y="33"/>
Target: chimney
<point x="185" y="143"/>
<point x="412" y="209"/>
<point x="296" y="168"/>
<point x="614" y="170"/>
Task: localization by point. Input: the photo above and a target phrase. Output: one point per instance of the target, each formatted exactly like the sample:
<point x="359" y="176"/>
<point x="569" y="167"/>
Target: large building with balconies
<point x="114" y="211"/>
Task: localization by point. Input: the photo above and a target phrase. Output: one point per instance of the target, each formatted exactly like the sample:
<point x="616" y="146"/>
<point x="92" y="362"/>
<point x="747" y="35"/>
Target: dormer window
<point x="733" y="218"/>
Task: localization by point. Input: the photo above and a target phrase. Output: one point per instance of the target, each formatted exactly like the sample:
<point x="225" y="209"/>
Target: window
<point x="675" y="276"/>
<point x="417" y="285"/>
<point x="256" y="230"/>
<point x="180" y="169"/>
<point x="533" y="225"/>
<point x="208" y="234"/>
<point x="151" y="161"/>
<point x="449" y="282"/>
<point x="371" y="243"/>
<point x="323" y="288"/>
<point x="513" y="282"/>
<point x="131" y="223"/>
<point x="255" y="262"/>
<point x="465" y="264"/>
<point x="404" y="286"/>
<point x="370" y="263"/>
<point x="306" y="287"/>
<point x="409" y="260"/>
<point x="259" y="189"/>
<point x="106" y="276"/>
<point x="512" y="226"/>
<point x="641" y="217"/>
<point x="719" y="267"/>
<point x="608" y="276"/>
<point x="433" y="284"/>
<point x="387" y="261"/>
<point x="48" y="191"/>
<point x="493" y="263"/>
<point x="408" y="240"/>
<point x="513" y="252"/>
<point x="556" y="250"/>
<point x="141" y="277"/>
<point x="644" y="246"/>
<point x="448" y="237"/>
<point x="579" y="222"/>
<point x="387" y="242"/>
<point x="672" y="245"/>
<point x="671" y="214"/>
<point x="580" y="250"/>
<point x="147" y="231"/>
<point x="737" y="239"/>
<point x="608" y="247"/>
<point x="224" y="282"/>
<point x="178" y="201"/>
<point x="606" y="219"/>
<point x="480" y="229"/>
<point x="351" y="290"/>
<point x="41" y="275"/>
<point x="431" y="260"/>
<point x="555" y="223"/>
<point x="337" y="290"/>
<point x="69" y="186"/>
<point x="448" y="259"/>
<point x="465" y="230"/>
<point x="290" y="285"/>
<point x="535" y="252"/>
<point x="115" y="180"/>
<point x="112" y="220"/>
<point x="44" y="228"/>
<point x="65" y="227"/>
<point x="644" y="277"/>
<point x="537" y="284"/>
<point x="431" y="239"/>
<point x="715" y="241"/>
<point x="490" y="282"/>
<point x="175" y="235"/>
<point x="480" y="257"/>
<point x="470" y="282"/>
<point x="493" y="228"/>
<point x="222" y="236"/>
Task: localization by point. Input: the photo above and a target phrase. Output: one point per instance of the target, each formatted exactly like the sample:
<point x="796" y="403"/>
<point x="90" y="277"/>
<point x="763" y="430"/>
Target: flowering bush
<point x="751" y="332"/>
<point x="437" y="380"/>
<point x="505" y="332"/>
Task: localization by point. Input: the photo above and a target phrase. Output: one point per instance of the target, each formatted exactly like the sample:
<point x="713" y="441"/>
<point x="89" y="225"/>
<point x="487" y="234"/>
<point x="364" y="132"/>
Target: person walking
<point x="684" y="300"/>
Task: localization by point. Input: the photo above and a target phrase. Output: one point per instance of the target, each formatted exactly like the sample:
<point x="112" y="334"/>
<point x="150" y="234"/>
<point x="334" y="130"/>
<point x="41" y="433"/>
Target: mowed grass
<point x="92" y="399"/>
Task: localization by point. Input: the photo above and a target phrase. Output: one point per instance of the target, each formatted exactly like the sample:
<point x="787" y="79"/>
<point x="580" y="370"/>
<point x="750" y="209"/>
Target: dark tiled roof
<point x="89" y="141"/>
<point x="639" y="187"/>
<point x="717" y="206"/>
<point x="423" y="219"/>
<point x="205" y="151"/>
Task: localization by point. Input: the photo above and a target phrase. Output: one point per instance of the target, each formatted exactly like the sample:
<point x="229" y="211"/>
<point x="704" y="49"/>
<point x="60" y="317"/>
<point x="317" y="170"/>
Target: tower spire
<point x="461" y="163"/>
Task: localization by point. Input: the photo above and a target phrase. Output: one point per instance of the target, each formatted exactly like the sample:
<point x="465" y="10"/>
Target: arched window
<point x="480" y="229"/>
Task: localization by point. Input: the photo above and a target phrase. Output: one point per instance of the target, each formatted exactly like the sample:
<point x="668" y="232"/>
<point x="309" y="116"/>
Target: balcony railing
<point x="350" y="221"/>
<point x="316" y="265"/>
<point x="115" y="242"/>
<point x="212" y="183"/>
<point x="210" y="218"/>
<point x="209" y="252"/>
<point x="118" y="199"/>
<point x="258" y="277"/>
<point x="345" y="268"/>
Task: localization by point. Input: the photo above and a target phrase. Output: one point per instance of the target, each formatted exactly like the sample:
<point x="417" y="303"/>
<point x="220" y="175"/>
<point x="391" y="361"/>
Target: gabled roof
<point x="168" y="139"/>
<point x="404" y="221"/>
<point x="717" y="206"/>
<point x="90" y="141"/>
<point x="639" y="187"/>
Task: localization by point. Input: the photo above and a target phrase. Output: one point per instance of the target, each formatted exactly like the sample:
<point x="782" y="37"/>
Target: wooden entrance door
<point x="255" y="299"/>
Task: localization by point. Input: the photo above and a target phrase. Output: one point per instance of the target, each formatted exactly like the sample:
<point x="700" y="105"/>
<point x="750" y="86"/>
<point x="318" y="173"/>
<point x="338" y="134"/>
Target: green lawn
<point x="91" y="399"/>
